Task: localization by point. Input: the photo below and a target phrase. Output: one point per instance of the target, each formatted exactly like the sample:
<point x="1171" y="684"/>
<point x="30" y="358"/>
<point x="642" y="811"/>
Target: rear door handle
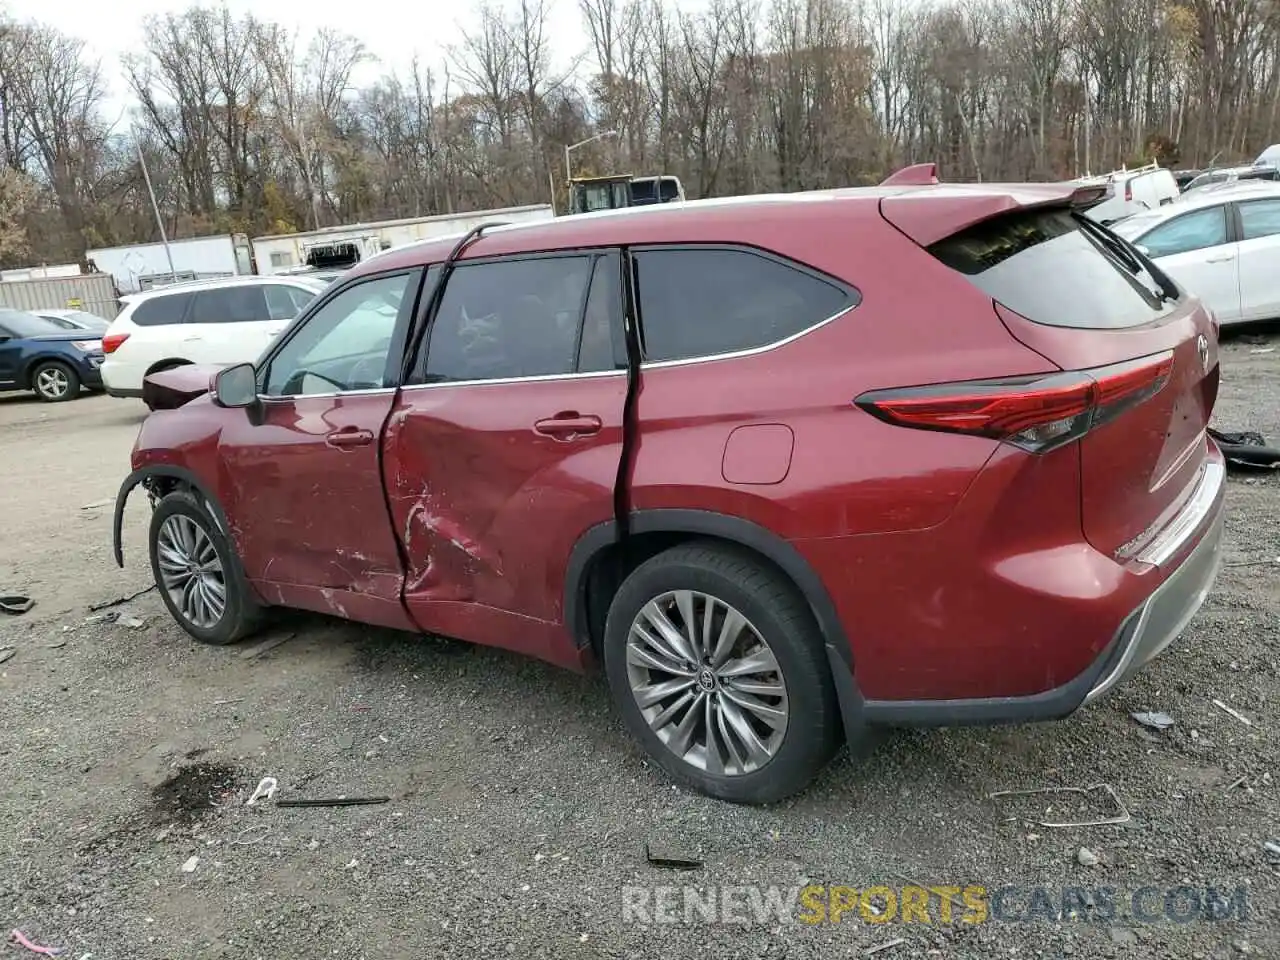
<point x="350" y="437"/>
<point x="191" y="339"/>
<point x="1226" y="257"/>
<point x="567" y="426"/>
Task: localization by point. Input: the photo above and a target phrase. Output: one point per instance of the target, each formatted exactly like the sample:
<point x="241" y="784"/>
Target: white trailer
<point x="141" y="266"/>
<point x="281" y="253"/>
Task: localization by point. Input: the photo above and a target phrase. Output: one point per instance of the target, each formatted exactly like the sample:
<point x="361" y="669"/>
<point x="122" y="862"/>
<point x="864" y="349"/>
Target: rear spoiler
<point x="951" y="207"/>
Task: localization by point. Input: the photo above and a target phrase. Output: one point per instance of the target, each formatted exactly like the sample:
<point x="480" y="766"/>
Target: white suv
<point x="224" y="321"/>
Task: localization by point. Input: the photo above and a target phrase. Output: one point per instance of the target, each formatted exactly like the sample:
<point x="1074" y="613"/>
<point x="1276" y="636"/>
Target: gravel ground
<point x="519" y="808"/>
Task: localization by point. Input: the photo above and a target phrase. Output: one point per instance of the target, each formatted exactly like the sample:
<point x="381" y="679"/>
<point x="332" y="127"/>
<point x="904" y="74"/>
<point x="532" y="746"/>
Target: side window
<point x="1191" y="231"/>
<point x="601" y="346"/>
<point x="238" y="304"/>
<point x="300" y="297"/>
<point x="161" y="311"/>
<point x="699" y="303"/>
<point x="284" y="303"/>
<point x="346" y="344"/>
<point x="509" y="318"/>
<point x="1259" y="218"/>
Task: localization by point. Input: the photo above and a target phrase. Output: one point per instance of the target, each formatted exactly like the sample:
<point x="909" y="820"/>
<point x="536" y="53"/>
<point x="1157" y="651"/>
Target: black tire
<point x="241" y="614"/>
<point x="781" y="618"/>
<point x="63" y="382"/>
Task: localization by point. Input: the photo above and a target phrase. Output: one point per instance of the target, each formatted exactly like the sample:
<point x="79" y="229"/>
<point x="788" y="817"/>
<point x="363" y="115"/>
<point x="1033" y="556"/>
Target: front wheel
<point x="718" y="669"/>
<point x="198" y="574"/>
<point x="54" y="382"/>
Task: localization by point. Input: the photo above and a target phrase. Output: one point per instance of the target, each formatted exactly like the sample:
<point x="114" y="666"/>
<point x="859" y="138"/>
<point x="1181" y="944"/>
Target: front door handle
<point x="349" y="437"/>
<point x="567" y="426"/>
<point x="1224" y="258"/>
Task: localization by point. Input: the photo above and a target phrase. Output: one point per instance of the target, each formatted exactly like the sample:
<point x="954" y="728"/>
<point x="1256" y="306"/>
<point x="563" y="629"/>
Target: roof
<point x="213" y="283"/>
<point x="728" y="220"/>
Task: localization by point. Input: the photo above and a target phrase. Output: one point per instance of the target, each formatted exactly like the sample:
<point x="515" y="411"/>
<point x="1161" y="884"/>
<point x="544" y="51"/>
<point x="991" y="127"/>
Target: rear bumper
<point x="1191" y="545"/>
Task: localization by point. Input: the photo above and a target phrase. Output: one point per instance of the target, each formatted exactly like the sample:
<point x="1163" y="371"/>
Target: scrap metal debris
<point x="1234" y="713"/>
<point x="1272" y="847"/>
<point x="6" y="653"/>
<point x="671" y="862"/>
<point x="99" y="503"/>
<point x="110" y="616"/>
<point x="190" y="865"/>
<point x="334" y="802"/>
<point x="1234" y="783"/>
<point x="16" y="605"/>
<point x="1122" y="816"/>
<point x="95" y="607"/>
<point x="1246" y="450"/>
<point x="1156" y="721"/>
<point x="258" y="831"/>
<point x="16" y="937"/>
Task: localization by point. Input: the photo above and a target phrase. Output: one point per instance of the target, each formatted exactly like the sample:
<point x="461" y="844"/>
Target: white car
<point x="73" y="319"/>
<point x="1222" y="244"/>
<point x="1132" y="191"/>
<point x="224" y="321"/>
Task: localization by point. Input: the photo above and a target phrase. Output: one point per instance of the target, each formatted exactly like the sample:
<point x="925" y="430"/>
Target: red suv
<point x="788" y="465"/>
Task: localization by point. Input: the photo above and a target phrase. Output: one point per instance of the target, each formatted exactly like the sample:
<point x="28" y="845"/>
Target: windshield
<point x="19" y="324"/>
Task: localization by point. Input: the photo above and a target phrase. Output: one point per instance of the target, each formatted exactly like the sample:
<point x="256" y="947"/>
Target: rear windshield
<point x="1056" y="268"/>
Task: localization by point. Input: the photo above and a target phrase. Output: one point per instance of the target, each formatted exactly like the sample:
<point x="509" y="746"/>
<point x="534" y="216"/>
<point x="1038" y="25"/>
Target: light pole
<point x="568" y="172"/>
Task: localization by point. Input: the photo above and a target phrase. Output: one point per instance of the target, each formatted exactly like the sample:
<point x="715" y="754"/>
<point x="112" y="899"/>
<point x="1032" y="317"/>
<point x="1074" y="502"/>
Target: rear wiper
<point x="1122" y="252"/>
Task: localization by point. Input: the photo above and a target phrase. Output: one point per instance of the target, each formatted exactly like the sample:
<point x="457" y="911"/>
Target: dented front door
<point x="508" y="447"/>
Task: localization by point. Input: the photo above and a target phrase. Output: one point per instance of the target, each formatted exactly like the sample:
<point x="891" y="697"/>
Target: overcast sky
<point x="393" y="32"/>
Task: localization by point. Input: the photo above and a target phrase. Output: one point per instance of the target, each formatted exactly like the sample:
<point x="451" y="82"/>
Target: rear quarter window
<point x="163" y="310"/>
<point x="701" y="302"/>
<point x="1044" y="266"/>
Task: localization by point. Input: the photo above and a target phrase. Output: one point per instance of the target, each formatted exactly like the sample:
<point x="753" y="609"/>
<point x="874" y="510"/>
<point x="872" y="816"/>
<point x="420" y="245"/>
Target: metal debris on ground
<point x="670" y="861"/>
<point x="1234" y="713"/>
<point x="1254" y="563"/>
<point x="56" y="644"/>
<point x="16" y="937"/>
<point x="1233" y="784"/>
<point x="105" y="604"/>
<point x="223" y="703"/>
<point x="1156" y="721"/>
<point x="261" y="648"/>
<point x="888" y="945"/>
<point x="110" y="616"/>
<point x="190" y="865"/>
<point x="265" y="790"/>
<point x="135" y="623"/>
<point x="1272" y="847"/>
<point x="258" y="830"/>
<point x="1122" y="816"/>
<point x="99" y="503"/>
<point x="7" y="653"/>
<point x="1246" y="450"/>
<point x="1263" y="350"/>
<point x="15" y="604"/>
<point x="334" y="802"/>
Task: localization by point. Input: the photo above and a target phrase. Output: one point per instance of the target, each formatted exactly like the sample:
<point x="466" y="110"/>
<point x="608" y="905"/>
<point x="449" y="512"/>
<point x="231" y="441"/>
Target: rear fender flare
<point x="710" y="524"/>
<point x="181" y="474"/>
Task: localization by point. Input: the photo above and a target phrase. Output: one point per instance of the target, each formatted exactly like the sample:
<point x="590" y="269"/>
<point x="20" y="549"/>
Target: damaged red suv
<point x="789" y="466"/>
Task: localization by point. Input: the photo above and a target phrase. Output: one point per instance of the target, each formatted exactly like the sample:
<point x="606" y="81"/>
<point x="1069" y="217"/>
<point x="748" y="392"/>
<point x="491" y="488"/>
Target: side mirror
<point x="236" y="386"/>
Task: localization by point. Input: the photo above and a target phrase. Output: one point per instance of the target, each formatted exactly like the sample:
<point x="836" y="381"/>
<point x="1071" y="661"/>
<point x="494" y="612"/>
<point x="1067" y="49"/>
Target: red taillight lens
<point x="111" y="342"/>
<point x="1036" y="413"/>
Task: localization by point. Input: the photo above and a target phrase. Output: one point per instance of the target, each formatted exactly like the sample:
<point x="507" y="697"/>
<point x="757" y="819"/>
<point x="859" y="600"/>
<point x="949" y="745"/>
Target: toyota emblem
<point x="1202" y="350"/>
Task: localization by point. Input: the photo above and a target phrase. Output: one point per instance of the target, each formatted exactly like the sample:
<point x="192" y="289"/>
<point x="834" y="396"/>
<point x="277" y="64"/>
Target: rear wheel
<point x="718" y="669"/>
<point x="198" y="573"/>
<point x="54" y="382"/>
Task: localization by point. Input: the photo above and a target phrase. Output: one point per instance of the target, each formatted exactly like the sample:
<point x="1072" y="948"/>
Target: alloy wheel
<point x="191" y="571"/>
<point x="52" y="382"/>
<point x="707" y="683"/>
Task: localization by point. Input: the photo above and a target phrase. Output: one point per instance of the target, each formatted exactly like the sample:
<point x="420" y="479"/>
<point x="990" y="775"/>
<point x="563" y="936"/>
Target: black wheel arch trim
<point x="704" y="523"/>
<point x="158" y="470"/>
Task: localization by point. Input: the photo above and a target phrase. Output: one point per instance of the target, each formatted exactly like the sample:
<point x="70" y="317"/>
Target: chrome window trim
<point x="750" y="351"/>
<point x="540" y="378"/>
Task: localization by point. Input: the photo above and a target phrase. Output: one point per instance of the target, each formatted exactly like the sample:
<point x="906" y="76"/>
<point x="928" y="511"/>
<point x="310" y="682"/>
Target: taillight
<point x="1128" y="190"/>
<point x="112" y="341"/>
<point x="1036" y="413"/>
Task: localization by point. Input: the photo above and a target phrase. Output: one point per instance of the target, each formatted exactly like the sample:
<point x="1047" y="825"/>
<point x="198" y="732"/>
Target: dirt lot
<point x="519" y="809"/>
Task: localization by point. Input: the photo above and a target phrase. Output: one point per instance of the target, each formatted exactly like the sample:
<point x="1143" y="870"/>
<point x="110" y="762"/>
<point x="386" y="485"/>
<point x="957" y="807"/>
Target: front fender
<point x="159" y="471"/>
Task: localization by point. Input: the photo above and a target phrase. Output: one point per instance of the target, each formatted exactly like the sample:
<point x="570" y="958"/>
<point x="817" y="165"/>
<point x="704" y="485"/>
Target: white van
<point x="1131" y="191"/>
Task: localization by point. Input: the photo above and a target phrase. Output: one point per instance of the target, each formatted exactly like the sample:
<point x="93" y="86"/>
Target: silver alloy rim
<point x="190" y="571"/>
<point x="707" y="683"/>
<point x="52" y="382"/>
